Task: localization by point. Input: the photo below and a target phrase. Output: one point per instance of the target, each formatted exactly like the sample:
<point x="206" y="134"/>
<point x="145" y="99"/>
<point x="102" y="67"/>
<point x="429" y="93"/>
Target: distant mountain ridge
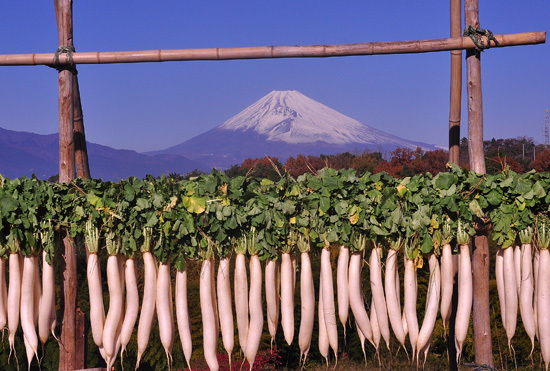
<point x="284" y="124"/>
<point x="24" y="154"/>
<point x="281" y="124"/>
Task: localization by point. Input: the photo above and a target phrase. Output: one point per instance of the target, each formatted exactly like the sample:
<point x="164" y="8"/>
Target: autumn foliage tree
<point x="366" y="161"/>
<point x="542" y="162"/>
<point x="302" y="164"/>
<point x="407" y="162"/>
<point x="515" y="154"/>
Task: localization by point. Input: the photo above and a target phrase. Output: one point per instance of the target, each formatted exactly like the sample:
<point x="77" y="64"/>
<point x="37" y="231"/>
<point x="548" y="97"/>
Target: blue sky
<point x="151" y="106"/>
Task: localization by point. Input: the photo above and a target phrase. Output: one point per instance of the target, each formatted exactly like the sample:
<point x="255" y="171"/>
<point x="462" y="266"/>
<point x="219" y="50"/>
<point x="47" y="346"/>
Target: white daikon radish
<point x="464" y="307"/>
<point x="182" y="314"/>
<point x="225" y="310"/>
<point x="342" y="287"/>
<point x="377" y="289"/>
<point x="447" y="282"/>
<point x="328" y="301"/>
<point x="287" y="297"/>
<point x="307" y="297"/>
<point x="392" y="300"/>
<point x="432" y="305"/>
<point x="511" y="294"/>
<point x="209" y="320"/>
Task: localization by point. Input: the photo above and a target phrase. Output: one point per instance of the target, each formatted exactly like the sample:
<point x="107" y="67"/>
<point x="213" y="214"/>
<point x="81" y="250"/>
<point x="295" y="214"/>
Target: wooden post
<point x="67" y="351"/>
<point x="480" y="256"/>
<point x="456" y="84"/>
<point x="80" y="346"/>
<point x="81" y="150"/>
<point x="454" y="152"/>
<point x="65" y="79"/>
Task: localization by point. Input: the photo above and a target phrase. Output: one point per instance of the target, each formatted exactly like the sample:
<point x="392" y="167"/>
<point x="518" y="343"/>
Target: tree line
<point x="519" y="154"/>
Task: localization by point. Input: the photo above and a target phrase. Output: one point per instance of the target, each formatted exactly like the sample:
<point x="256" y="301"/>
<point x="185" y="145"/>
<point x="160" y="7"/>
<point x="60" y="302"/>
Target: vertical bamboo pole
<point x="65" y="79"/>
<point x="475" y="97"/>
<point x="456" y="84"/>
<point x="67" y="351"/>
<point x="454" y="152"/>
<point x="81" y="150"/>
<point x="480" y="256"/>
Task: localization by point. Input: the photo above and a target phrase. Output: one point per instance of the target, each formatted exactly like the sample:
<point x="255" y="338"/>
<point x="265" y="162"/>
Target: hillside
<point x="24" y="154"/>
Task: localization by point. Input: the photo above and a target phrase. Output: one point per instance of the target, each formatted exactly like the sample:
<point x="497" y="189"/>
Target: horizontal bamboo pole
<point x="263" y="52"/>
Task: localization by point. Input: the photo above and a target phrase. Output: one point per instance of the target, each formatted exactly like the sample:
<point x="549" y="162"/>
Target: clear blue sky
<point x="151" y="106"/>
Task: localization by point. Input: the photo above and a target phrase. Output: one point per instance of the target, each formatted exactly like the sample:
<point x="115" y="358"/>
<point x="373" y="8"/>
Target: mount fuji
<point x="284" y="124"/>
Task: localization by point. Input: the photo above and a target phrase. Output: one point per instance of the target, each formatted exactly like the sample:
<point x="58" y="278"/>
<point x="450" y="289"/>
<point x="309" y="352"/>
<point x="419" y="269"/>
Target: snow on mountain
<point x="284" y="124"/>
<point x="291" y="117"/>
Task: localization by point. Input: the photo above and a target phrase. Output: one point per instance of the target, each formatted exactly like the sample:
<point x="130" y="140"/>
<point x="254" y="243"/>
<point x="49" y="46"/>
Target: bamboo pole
<point x="454" y="148"/>
<point x="67" y="349"/>
<point x="265" y="52"/>
<point x="480" y="256"/>
<point x="456" y="84"/>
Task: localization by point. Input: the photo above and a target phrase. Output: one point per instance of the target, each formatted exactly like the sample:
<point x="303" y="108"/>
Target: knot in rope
<point x="69" y="65"/>
<point x="476" y="34"/>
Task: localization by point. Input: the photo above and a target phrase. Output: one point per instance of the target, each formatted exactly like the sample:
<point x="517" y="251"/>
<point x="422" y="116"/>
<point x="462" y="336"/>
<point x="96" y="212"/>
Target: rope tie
<point x="476" y="34"/>
<point x="69" y="65"/>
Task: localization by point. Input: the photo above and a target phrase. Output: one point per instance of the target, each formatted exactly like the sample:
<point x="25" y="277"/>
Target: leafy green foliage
<point x="187" y="220"/>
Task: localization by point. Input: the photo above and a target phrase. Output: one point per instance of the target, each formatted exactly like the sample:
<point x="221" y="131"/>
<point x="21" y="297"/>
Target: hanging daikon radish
<point x="165" y="311"/>
<point x="209" y="320"/>
<point x="447" y="274"/>
<point x="432" y="304"/>
<point x="132" y="305"/>
<point x="118" y="343"/>
<point x="543" y="303"/>
<point x="256" y="323"/>
<point x="287" y="294"/>
<point x="499" y="277"/>
<point x="410" y="288"/>
<point x="14" y="292"/>
<point x="356" y="291"/>
<point x="323" y="342"/>
<point x="225" y="310"/>
<point x="342" y="287"/>
<point x="464" y="307"/>
<point x="328" y="300"/>
<point x="27" y="307"/>
<point x="47" y="315"/>
<point x="116" y="298"/>
<point x="307" y="298"/>
<point x="241" y="291"/>
<point x="272" y="296"/>
<point x="48" y="299"/>
<point x="543" y="289"/>
<point x="148" y="305"/>
<point x="526" y="290"/>
<point x="182" y="314"/>
<point x="392" y="300"/>
<point x="510" y="293"/>
<point x="377" y="290"/>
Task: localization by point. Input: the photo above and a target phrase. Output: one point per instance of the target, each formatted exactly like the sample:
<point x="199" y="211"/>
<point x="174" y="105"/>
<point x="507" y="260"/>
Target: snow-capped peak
<point x="291" y="117"/>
